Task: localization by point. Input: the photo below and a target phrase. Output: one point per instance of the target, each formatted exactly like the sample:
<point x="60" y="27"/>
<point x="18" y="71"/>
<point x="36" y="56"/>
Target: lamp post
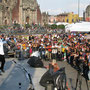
<point x="78" y="7"/>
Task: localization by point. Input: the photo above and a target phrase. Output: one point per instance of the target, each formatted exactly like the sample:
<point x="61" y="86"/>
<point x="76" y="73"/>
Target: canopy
<point x="62" y="23"/>
<point x="78" y="27"/>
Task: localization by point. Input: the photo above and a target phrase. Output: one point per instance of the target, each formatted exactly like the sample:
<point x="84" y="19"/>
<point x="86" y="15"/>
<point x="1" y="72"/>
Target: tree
<point x="54" y="26"/>
<point x="27" y="26"/>
<point x="61" y="26"/>
<point x="16" y="25"/>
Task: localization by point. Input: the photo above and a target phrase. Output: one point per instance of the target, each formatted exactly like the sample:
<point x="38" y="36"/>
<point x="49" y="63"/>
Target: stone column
<point x="24" y="17"/>
<point x="20" y="12"/>
<point x="1" y="17"/>
<point x="30" y="17"/>
<point x="36" y="16"/>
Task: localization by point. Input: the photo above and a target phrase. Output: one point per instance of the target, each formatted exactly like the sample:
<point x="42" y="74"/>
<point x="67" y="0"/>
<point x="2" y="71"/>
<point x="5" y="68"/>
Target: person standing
<point x="2" y="58"/>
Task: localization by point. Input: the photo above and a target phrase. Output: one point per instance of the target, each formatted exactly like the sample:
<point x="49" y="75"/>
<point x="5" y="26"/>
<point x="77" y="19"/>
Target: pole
<point x="78" y="7"/>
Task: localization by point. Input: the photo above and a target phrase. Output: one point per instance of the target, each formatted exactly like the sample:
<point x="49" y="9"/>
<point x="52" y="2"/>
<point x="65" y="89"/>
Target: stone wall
<point x="15" y="12"/>
<point x="18" y="10"/>
<point x="39" y="16"/>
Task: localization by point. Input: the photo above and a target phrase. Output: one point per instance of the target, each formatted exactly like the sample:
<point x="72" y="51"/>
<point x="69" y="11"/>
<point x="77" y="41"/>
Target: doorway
<point x="27" y="20"/>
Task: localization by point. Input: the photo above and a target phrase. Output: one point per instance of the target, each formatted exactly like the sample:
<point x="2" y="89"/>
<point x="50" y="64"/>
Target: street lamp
<point x="78" y="6"/>
<point x="78" y="10"/>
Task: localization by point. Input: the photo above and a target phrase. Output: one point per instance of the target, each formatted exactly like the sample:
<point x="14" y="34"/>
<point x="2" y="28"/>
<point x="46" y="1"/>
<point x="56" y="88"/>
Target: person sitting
<point x="47" y="78"/>
<point x="54" y="65"/>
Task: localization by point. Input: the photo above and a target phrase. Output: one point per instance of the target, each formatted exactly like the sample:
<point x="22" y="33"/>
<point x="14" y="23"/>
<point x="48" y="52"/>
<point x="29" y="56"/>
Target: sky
<point x="54" y="7"/>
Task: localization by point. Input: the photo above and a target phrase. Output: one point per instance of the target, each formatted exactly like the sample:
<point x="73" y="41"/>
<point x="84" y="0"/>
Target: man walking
<point x="2" y="58"/>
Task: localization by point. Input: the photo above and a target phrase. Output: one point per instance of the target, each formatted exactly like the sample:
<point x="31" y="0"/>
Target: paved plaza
<point x="14" y="77"/>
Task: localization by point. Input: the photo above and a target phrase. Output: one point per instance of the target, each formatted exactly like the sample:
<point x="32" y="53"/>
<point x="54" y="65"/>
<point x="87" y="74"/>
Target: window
<point x="67" y="20"/>
<point x="5" y="22"/>
<point x="27" y="20"/>
<point x="7" y="8"/>
<point x="72" y="20"/>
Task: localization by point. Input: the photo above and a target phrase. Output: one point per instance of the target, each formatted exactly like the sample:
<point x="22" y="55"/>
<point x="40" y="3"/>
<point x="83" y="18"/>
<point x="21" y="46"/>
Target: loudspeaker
<point x="35" y="62"/>
<point x="46" y="79"/>
<point x="50" y="77"/>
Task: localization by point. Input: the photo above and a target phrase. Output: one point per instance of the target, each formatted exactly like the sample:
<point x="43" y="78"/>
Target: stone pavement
<point x="71" y="74"/>
<point x="14" y="77"/>
<point x="8" y="68"/>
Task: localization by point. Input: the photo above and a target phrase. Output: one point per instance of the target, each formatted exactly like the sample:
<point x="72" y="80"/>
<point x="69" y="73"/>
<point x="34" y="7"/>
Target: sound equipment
<point x="46" y="79"/>
<point x="51" y="78"/>
<point x="35" y="62"/>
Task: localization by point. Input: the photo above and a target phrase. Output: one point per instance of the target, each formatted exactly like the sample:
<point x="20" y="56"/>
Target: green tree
<point x="27" y="26"/>
<point x="16" y="25"/>
<point x="61" y="26"/>
<point x="54" y="26"/>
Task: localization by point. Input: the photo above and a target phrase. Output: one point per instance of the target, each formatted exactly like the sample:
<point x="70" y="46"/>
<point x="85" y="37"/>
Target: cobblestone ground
<point x="70" y="72"/>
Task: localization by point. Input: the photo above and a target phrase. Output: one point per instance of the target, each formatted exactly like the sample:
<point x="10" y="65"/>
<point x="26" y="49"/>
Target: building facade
<point x="39" y="16"/>
<point x="45" y="18"/>
<point x="6" y="11"/>
<point x="61" y="17"/>
<point x="87" y="13"/>
<point x="72" y="18"/>
<point x="52" y="19"/>
<point x="19" y="11"/>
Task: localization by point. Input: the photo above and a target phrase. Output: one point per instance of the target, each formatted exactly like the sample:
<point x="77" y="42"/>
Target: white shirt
<point x="1" y="48"/>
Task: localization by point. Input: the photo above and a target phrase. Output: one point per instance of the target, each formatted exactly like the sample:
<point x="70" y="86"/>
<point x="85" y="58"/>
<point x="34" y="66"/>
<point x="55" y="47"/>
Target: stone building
<point x="87" y="13"/>
<point x="45" y="18"/>
<point x="61" y="17"/>
<point x="72" y="18"/>
<point x="52" y="19"/>
<point x="39" y="16"/>
<point x="5" y="11"/>
<point x="19" y="11"/>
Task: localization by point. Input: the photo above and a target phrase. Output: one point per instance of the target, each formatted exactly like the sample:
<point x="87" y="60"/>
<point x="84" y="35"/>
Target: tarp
<point x="36" y="54"/>
<point x="78" y="27"/>
<point x="62" y="23"/>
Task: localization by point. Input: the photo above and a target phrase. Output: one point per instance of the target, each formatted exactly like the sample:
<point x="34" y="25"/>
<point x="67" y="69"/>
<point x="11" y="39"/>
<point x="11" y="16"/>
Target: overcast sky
<point x="59" y="6"/>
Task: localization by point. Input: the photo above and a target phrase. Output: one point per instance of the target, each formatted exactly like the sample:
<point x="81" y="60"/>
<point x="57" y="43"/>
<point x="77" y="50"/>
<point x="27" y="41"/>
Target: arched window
<point x="67" y="20"/>
<point x="27" y="20"/>
<point x="5" y="22"/>
<point x="72" y="20"/>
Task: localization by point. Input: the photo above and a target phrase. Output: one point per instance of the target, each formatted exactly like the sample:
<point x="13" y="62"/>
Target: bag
<point x="35" y="62"/>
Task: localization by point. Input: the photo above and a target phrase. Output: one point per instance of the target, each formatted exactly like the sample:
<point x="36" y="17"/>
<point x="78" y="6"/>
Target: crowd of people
<point x="71" y="47"/>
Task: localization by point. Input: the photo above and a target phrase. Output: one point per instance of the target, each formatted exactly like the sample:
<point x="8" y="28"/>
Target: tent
<point x="78" y="27"/>
<point x="62" y="23"/>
